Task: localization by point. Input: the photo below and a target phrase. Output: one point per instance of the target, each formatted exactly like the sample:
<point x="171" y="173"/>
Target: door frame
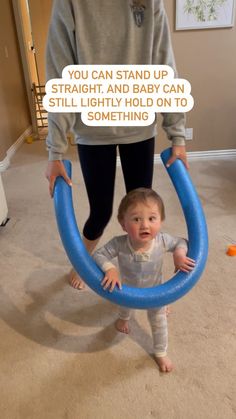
<point x="24" y="51"/>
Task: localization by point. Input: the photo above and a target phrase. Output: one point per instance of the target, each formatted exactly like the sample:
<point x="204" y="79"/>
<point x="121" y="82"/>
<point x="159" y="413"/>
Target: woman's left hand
<point x="178" y="152"/>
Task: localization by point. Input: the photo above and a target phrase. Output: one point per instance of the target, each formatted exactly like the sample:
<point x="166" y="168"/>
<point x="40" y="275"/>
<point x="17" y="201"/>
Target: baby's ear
<point x="122" y="224"/>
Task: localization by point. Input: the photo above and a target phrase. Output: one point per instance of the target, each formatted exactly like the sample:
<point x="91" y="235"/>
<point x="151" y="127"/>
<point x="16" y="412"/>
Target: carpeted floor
<point x="60" y="355"/>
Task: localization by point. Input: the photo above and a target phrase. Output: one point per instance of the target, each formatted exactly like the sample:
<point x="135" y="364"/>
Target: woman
<point x="108" y="32"/>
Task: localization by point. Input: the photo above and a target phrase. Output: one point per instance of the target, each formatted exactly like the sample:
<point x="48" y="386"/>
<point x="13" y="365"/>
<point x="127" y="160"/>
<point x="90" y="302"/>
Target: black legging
<point x="98" y="164"/>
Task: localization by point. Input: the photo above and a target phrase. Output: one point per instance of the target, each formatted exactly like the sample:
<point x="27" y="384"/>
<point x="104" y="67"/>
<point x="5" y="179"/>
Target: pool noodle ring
<point x="141" y="298"/>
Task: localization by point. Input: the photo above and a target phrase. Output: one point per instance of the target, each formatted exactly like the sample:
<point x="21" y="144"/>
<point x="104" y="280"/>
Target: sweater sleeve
<point x="173" y="123"/>
<point x="105" y="254"/>
<point x="60" y="51"/>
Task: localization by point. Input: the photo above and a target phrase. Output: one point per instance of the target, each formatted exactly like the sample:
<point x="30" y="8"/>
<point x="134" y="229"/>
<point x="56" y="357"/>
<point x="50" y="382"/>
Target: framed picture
<point x="201" y="14"/>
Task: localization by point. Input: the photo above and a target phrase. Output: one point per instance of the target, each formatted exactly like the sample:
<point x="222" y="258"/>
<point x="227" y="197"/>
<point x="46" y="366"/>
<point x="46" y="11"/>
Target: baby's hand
<point x="111" y="279"/>
<point x="183" y="263"/>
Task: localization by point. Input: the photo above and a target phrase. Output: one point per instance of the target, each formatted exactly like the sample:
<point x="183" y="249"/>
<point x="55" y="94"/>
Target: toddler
<point x="140" y="258"/>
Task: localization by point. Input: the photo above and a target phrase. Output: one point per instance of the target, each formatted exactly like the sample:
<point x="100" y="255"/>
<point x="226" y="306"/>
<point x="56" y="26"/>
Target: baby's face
<point x="142" y="222"/>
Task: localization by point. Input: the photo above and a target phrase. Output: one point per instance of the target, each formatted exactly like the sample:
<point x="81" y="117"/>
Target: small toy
<point x="231" y="251"/>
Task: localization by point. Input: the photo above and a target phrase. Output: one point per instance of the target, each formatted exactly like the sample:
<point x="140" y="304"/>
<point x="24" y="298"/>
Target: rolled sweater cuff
<point x="178" y="140"/>
<point x="54" y="156"/>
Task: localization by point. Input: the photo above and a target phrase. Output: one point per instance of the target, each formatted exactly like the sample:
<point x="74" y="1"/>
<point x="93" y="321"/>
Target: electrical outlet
<point x="189" y="134"/>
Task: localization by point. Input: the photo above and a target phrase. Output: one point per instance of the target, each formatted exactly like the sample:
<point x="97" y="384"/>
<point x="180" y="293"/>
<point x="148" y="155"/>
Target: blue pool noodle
<point x="141" y="298"/>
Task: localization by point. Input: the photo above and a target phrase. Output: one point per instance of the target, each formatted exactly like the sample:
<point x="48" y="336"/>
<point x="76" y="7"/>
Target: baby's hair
<point x="140" y="195"/>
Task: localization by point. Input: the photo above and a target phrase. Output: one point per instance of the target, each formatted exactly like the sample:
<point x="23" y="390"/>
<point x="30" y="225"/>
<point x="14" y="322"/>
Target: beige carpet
<point x="60" y="355"/>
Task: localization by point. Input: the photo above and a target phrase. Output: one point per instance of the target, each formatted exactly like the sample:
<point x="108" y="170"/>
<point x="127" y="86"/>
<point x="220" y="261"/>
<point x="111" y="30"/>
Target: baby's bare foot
<point x="75" y="281"/>
<point x="164" y="364"/>
<point x="122" y="326"/>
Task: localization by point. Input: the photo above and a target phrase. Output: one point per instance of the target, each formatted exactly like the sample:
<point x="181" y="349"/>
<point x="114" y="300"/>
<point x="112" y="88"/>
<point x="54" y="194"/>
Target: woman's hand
<point x="178" y="152"/>
<point x="54" y="169"/>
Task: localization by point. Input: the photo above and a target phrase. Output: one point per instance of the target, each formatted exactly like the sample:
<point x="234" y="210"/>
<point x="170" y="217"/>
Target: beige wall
<point x="207" y="58"/>
<point x="14" y="113"/>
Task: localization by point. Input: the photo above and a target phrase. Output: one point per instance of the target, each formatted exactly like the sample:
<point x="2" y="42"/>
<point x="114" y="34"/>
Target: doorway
<point x="32" y="21"/>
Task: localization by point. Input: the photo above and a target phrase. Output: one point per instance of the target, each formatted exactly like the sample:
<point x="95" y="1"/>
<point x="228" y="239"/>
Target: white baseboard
<point x="3" y="204"/>
<point x="5" y="163"/>
<point x="192" y="155"/>
<point x="200" y="155"/>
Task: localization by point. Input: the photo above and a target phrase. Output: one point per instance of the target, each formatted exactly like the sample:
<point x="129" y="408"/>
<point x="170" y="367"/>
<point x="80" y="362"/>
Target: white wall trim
<point x="5" y="163"/>
<point x="200" y="155"/>
<point x="192" y="155"/>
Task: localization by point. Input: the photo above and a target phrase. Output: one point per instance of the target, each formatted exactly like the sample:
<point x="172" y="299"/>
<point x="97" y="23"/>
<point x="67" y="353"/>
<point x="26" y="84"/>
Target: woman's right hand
<point x="54" y="169"/>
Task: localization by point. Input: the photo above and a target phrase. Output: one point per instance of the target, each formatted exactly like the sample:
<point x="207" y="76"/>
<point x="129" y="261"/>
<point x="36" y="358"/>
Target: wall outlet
<point x="189" y="133"/>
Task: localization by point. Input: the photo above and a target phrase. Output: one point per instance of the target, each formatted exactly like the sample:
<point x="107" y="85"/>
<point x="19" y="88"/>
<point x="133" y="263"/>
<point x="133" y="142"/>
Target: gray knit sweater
<point x="105" y="32"/>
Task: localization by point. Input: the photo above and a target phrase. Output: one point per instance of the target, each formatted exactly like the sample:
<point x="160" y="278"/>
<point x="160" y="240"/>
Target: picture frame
<point x="200" y="14"/>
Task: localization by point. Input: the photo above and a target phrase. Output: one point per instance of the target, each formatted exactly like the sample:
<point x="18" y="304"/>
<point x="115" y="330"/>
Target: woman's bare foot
<point x="164" y="364"/>
<point x="75" y="281"/>
<point x="122" y="326"/>
<point x="168" y="310"/>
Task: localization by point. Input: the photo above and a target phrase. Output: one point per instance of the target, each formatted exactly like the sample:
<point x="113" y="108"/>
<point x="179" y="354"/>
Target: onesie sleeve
<point x="172" y="243"/>
<point x="60" y="52"/>
<point x="173" y="123"/>
<point x="104" y="255"/>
